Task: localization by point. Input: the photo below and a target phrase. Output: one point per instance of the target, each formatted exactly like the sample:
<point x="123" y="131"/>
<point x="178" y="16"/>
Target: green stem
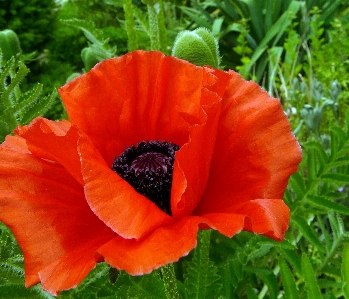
<point x="162" y="29"/>
<point x="204" y="243"/>
<point x="130" y="25"/>
<point x="153" y="27"/>
<point x="170" y="282"/>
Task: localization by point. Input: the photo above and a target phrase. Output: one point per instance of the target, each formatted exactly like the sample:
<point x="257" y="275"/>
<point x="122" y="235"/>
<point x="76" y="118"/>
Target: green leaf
<point x="326" y="204"/>
<point x="320" y="151"/>
<point x="311" y="166"/>
<point x="142" y="19"/>
<point x="345" y="270"/>
<point x="338" y="139"/>
<point x="339" y="161"/>
<point x="268" y="278"/>
<point x="147" y="286"/>
<point x="5" y="71"/>
<point x="16" y="78"/>
<point x="90" y="31"/>
<point x="308" y="232"/>
<point x="28" y="98"/>
<point x="196" y="17"/>
<point x="288" y="281"/>
<point x="18" y="291"/>
<point x="4" y="129"/>
<point x="297" y="185"/>
<point x="277" y="29"/>
<point x="293" y="258"/>
<point x="12" y="272"/>
<point x="335" y="177"/>
<point x="311" y="284"/>
<point x="337" y="227"/>
<point x="284" y="244"/>
<point x="251" y="294"/>
<point x="201" y="279"/>
<point x="262" y="250"/>
<point x="37" y="107"/>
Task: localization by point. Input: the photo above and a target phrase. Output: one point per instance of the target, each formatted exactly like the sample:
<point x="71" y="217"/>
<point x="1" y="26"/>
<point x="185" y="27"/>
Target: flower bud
<point x="198" y="47"/>
<point x="9" y="44"/>
<point x="88" y="58"/>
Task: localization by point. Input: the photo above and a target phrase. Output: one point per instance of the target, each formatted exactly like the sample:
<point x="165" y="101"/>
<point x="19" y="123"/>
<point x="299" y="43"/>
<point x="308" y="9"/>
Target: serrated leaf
<point x="201" y="279"/>
<point x="338" y="138"/>
<point x="36" y="108"/>
<point x="5" y="72"/>
<point x="345" y="270"/>
<point x="251" y="294"/>
<point x="297" y="185"/>
<point x="28" y="97"/>
<point x="339" y="161"/>
<point x="88" y="28"/>
<point x="340" y="134"/>
<point x="288" y="281"/>
<point x="262" y="250"/>
<point x="237" y="269"/>
<point x="18" y="291"/>
<point x="16" y="78"/>
<point x="329" y="284"/>
<point x="197" y="18"/>
<point x="229" y="279"/>
<point x="142" y="19"/>
<point x="311" y="284"/>
<point x="10" y="274"/>
<point x="4" y="129"/>
<point x="332" y="271"/>
<point x="335" y="177"/>
<point x="337" y="226"/>
<point x="326" y="204"/>
<point x="269" y="279"/>
<point x="325" y="234"/>
<point x="311" y="166"/>
<point x="146" y="286"/>
<point x="275" y="32"/>
<point x="284" y="244"/>
<point x="320" y="151"/>
<point x="309" y="233"/>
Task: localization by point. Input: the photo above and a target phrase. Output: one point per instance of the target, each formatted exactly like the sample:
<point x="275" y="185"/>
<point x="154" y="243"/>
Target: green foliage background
<point x="298" y="52"/>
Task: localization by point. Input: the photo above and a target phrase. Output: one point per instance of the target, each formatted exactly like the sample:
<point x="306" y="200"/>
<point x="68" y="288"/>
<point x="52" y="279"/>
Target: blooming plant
<point x="155" y="150"/>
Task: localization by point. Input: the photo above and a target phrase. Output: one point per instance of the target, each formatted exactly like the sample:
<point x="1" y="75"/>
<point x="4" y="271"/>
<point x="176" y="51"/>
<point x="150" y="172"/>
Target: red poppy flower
<point x="156" y="149"/>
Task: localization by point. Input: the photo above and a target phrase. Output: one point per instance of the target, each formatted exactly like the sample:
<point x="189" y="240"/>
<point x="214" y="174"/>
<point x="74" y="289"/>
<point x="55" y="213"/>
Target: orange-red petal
<point x="169" y="243"/>
<point x="135" y="97"/>
<point x="113" y="200"/>
<point x="255" y="150"/>
<point x="56" y="141"/>
<point x="269" y="217"/>
<point x="145" y="96"/>
<point x="193" y="160"/>
<point x="45" y="208"/>
<point x="162" y="246"/>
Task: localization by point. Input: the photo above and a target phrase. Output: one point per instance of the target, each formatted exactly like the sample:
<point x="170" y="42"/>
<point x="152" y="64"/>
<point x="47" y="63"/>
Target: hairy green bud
<point x="198" y="47"/>
<point x="89" y="58"/>
<point x="9" y="44"/>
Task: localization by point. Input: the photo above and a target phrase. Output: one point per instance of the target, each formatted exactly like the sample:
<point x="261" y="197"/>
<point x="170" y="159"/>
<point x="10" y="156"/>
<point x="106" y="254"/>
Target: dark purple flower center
<point x="148" y="168"/>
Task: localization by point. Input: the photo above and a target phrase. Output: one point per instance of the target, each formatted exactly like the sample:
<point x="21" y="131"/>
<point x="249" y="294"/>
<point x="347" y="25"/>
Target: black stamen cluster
<point x="148" y="168"/>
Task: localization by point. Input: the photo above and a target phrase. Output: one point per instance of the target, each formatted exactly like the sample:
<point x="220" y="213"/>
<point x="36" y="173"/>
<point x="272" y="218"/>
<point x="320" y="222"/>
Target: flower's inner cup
<point x="148" y="167"/>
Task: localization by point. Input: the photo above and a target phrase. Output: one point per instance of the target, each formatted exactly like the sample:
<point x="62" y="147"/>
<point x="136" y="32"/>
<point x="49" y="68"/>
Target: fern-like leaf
<point x="201" y="279"/>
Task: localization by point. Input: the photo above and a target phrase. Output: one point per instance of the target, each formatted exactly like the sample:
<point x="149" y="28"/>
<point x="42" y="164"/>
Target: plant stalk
<point x="170" y="282"/>
<point x="130" y="25"/>
<point x="153" y="27"/>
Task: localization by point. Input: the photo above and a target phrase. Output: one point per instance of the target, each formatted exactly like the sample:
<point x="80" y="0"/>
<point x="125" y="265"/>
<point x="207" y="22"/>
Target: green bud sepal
<point x="9" y="44"/>
<point x="198" y="47"/>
